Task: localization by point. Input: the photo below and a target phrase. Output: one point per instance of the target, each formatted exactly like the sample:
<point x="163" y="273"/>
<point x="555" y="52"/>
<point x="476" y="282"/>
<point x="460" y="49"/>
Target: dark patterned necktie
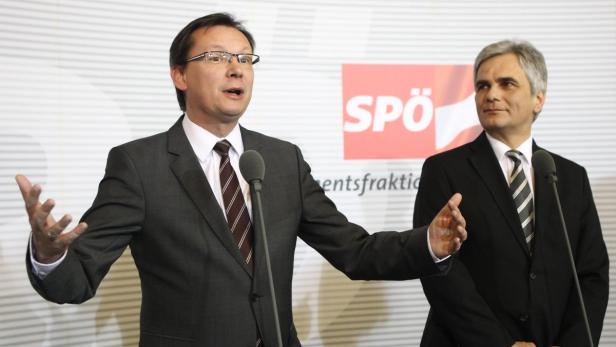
<point x="519" y="187"/>
<point x="235" y="207"/>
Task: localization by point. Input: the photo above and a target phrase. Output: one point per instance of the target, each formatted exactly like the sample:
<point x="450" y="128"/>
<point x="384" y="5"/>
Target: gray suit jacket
<point x="196" y="290"/>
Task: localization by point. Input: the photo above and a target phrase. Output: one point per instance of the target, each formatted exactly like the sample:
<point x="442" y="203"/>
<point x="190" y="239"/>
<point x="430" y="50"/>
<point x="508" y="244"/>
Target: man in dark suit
<point x="511" y="284"/>
<point x="176" y="199"/>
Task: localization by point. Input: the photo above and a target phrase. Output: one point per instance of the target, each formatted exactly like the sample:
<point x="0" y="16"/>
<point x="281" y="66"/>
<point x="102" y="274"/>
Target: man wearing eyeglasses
<point x="177" y="200"/>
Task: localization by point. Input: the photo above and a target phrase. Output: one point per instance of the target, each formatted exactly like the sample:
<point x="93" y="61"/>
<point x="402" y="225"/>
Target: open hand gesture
<point x="448" y="228"/>
<point x="48" y="239"/>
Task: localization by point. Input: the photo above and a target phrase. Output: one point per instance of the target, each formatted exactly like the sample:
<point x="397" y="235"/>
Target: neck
<point x="512" y="140"/>
<point x="219" y="129"/>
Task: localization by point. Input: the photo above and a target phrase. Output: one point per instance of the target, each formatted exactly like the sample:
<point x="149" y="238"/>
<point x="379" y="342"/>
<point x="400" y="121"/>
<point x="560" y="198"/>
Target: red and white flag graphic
<point x="406" y="111"/>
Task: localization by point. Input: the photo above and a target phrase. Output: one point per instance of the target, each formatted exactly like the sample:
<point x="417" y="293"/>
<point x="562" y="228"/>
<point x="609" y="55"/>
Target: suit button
<point x="254" y="297"/>
<point x="523" y="318"/>
<point x="532" y="276"/>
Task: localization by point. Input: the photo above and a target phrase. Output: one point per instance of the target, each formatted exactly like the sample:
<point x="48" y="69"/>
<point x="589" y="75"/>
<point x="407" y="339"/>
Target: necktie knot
<point x="222" y="148"/>
<point x="514" y="156"/>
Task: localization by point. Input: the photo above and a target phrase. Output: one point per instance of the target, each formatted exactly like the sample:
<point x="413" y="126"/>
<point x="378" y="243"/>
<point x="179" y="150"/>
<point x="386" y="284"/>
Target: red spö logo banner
<point x="406" y="111"/>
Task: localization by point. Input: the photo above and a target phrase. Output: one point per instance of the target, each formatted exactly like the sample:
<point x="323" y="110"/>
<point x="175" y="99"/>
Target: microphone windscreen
<point x="252" y="166"/>
<point x="543" y="163"/>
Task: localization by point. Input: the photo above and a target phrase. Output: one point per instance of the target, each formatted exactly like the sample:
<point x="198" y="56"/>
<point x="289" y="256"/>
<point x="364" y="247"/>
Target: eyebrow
<point x="507" y="79"/>
<point x="481" y="83"/>
<point x="498" y="80"/>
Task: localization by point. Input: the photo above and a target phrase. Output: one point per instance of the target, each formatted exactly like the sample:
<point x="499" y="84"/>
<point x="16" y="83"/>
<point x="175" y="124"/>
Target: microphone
<point x="544" y="167"/>
<point x="252" y="168"/>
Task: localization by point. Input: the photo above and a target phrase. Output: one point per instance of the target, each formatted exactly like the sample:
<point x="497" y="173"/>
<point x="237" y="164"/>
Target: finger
<point x="48" y="205"/>
<point x="457" y="244"/>
<point x="24" y="185"/>
<point x="29" y="193"/>
<point x="454" y="210"/>
<point x="444" y="215"/>
<point x="462" y="233"/>
<point x="57" y="228"/>
<point x="457" y="216"/>
<point x="32" y="199"/>
<point x="40" y="215"/>
<point x="69" y="237"/>
<point x="455" y="201"/>
<point x="460" y="219"/>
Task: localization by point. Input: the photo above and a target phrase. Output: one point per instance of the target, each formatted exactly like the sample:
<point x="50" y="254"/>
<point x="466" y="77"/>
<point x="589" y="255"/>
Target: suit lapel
<point x="485" y="164"/>
<point x="188" y="171"/>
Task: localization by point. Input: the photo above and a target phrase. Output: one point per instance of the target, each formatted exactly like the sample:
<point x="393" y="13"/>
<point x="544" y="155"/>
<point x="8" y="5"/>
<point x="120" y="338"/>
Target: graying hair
<point x="531" y="61"/>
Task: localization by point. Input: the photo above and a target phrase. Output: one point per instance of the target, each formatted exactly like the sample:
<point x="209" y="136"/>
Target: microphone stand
<point x="552" y="180"/>
<point x="256" y="195"/>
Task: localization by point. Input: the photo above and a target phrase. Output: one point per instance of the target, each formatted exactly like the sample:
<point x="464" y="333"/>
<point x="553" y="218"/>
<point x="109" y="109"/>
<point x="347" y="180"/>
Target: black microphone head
<point x="543" y="164"/>
<point x="252" y="166"/>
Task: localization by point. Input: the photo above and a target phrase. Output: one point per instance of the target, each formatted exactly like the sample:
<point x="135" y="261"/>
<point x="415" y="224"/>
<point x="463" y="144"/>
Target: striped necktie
<point x="519" y="187"/>
<point x="235" y="207"/>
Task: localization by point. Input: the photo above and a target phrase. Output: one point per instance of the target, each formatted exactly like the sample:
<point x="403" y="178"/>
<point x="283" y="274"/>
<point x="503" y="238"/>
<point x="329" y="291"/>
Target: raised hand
<point x="448" y="228"/>
<point x="49" y="240"/>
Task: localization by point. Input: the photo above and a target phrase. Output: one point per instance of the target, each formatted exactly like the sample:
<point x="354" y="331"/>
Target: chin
<point x="234" y="110"/>
<point x="488" y="122"/>
<point x="232" y="116"/>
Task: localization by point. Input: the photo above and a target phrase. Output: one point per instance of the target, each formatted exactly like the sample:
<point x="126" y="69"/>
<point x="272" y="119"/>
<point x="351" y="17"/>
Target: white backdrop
<point x="77" y="77"/>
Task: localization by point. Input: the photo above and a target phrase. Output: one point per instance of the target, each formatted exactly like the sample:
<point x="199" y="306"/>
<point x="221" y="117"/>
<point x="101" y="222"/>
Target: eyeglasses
<point x="218" y="57"/>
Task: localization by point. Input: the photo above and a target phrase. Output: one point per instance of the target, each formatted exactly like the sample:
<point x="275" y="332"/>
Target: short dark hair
<point x="183" y="41"/>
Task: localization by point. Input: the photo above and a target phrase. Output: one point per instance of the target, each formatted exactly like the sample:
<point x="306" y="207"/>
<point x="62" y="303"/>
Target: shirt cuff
<point x="434" y="257"/>
<point x="39" y="269"/>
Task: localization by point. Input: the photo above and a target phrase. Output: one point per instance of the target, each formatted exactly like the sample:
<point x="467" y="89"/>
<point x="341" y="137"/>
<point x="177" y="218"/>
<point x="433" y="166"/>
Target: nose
<point x="233" y="57"/>
<point x="234" y="68"/>
<point x="492" y="94"/>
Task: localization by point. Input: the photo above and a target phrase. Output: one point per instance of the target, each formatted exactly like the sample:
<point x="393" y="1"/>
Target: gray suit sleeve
<point x="385" y="255"/>
<point x="116" y="214"/>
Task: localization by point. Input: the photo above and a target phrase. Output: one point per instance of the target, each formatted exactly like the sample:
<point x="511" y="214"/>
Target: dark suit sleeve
<point x="456" y="305"/>
<point x="117" y="213"/>
<point x="386" y="255"/>
<point x="593" y="273"/>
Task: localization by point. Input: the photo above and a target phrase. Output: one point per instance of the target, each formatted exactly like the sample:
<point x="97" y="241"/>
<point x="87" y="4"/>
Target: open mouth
<point x="234" y="91"/>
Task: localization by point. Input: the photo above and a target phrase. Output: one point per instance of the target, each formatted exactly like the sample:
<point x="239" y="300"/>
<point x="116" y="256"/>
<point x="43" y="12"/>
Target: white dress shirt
<point x="202" y="143"/>
<point x="526" y="148"/>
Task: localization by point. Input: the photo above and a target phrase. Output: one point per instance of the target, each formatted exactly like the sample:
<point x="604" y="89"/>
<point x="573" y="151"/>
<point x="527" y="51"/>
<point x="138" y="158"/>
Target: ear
<point x="178" y="77"/>
<point x="539" y="101"/>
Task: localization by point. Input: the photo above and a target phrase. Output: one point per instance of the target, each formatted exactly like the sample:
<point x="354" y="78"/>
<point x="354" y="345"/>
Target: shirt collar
<point x="499" y="148"/>
<point x="203" y="141"/>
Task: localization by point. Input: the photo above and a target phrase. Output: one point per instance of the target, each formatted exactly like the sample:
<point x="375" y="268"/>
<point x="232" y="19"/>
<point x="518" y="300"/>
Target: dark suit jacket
<point x="495" y="292"/>
<point x="196" y="290"/>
